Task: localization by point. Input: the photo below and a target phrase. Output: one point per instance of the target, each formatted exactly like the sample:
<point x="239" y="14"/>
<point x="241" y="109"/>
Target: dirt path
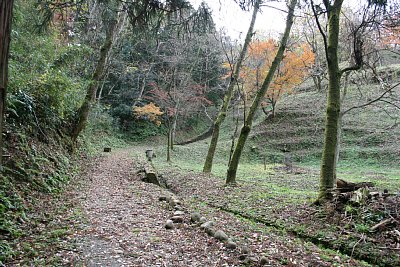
<point x="125" y="224"/>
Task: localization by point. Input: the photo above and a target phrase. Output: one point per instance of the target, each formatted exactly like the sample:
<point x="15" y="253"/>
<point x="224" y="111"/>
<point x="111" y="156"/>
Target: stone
<point x="202" y="220"/>
<point x="337" y="258"/>
<point x="242" y="257"/>
<point x="178" y="207"/>
<point x="179" y="213"/>
<point x="169" y="224"/>
<point x="245" y="250"/>
<point x="151" y="177"/>
<point x="230" y="244"/>
<point x="253" y="260"/>
<point x="162" y="198"/>
<point x="174" y="202"/>
<point x="195" y="217"/>
<point x="221" y="236"/>
<point x="208" y="224"/>
<point x="263" y="260"/>
<point x="177" y="219"/>
<point x="210" y="231"/>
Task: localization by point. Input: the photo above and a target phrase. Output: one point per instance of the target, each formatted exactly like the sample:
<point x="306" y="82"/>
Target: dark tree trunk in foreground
<point x="330" y="154"/>
<point x="6" y="8"/>
<point x="228" y="95"/>
<point x="328" y="175"/>
<point x="245" y="131"/>
<point x="83" y="112"/>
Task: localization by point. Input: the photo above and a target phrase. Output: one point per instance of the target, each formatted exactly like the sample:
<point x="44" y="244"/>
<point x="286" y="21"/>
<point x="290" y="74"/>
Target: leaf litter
<point x="112" y="218"/>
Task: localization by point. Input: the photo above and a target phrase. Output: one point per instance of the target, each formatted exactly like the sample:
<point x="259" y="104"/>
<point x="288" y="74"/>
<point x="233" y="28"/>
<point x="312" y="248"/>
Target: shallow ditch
<point x="367" y="256"/>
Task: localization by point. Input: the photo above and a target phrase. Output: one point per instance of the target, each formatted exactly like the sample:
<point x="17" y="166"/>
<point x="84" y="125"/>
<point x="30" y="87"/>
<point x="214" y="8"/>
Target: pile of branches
<point x="380" y="211"/>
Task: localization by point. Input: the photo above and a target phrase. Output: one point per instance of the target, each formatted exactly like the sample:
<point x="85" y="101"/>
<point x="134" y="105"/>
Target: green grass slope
<point x="370" y="135"/>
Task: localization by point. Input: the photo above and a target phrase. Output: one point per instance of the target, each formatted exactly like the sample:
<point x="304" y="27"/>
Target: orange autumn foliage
<point x="150" y="111"/>
<point x="391" y="36"/>
<point x="292" y="71"/>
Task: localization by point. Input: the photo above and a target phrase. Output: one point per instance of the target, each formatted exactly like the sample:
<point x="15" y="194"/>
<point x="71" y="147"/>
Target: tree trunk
<point x="340" y="123"/>
<point x="339" y="138"/>
<point x="228" y="95"/>
<point x="317" y="82"/>
<point x="174" y="125"/>
<point x="200" y="137"/>
<point x="146" y="75"/>
<point x="245" y="131"/>
<point x="142" y="88"/>
<point x="234" y="136"/>
<point x="83" y="112"/>
<point x="6" y="8"/>
<point x="328" y="175"/>
<point x="273" y="111"/>
<point x="169" y="142"/>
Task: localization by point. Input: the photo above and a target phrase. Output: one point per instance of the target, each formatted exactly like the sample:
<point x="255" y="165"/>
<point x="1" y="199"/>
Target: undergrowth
<point x="36" y="170"/>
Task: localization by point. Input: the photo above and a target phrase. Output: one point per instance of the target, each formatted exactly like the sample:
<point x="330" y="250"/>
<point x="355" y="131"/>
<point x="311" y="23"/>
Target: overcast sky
<point x="228" y="15"/>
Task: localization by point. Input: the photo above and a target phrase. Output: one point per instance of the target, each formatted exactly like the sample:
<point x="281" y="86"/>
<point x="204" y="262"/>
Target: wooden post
<point x="149" y="154"/>
<point x="265" y="163"/>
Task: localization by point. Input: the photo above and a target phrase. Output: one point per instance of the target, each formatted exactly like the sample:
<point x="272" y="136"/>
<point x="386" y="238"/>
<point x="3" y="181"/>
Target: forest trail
<point x="124" y="225"/>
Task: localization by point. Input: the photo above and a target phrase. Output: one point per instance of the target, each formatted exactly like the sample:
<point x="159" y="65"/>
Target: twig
<point x="381" y="224"/>
<point x="374" y="100"/>
<point x="358" y="242"/>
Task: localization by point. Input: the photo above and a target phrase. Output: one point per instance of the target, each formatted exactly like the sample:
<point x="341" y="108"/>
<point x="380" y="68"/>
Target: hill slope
<point x="369" y="134"/>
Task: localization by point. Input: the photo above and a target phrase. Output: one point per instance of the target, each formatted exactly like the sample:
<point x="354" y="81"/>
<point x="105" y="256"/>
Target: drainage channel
<point x="369" y="258"/>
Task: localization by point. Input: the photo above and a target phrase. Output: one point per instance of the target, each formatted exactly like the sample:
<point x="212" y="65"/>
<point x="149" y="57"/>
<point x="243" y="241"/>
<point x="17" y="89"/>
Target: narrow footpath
<point x="124" y="225"/>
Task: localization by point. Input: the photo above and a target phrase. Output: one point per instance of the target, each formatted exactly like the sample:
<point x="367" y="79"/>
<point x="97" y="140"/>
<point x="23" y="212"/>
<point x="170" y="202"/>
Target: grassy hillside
<point x="369" y="150"/>
<point x="370" y="135"/>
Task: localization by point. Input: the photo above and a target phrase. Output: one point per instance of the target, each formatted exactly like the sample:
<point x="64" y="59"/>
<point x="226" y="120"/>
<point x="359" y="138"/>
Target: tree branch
<point x="379" y="98"/>
<point x="324" y="38"/>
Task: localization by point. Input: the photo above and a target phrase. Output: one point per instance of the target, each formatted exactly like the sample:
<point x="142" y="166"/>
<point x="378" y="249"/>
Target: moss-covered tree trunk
<point x="328" y="163"/>
<point x="228" y="95"/>
<point x="245" y="131"/>
<point x="83" y="112"/>
<point x="6" y="8"/>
